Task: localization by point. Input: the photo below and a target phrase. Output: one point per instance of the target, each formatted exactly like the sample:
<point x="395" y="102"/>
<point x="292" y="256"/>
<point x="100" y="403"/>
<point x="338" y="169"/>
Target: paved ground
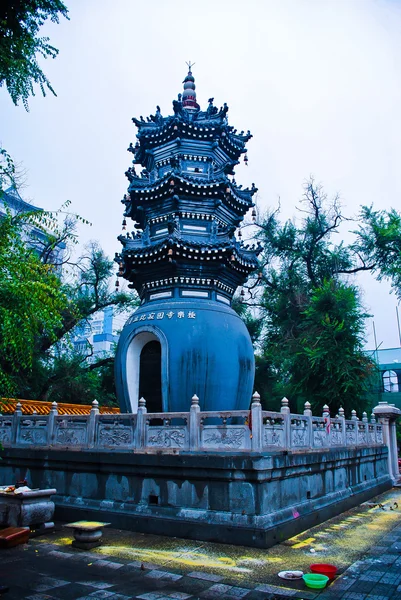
<point x="365" y="544"/>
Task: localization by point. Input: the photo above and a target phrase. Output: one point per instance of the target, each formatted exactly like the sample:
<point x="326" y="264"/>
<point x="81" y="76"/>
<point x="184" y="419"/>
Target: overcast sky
<point x="318" y="83"/>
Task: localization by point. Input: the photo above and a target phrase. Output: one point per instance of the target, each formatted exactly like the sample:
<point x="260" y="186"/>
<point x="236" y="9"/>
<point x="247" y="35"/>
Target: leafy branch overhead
<point x="20" y="45"/>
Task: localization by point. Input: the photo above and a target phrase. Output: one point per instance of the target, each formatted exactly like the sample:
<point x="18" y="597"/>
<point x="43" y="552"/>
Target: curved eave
<point x="154" y="138"/>
<point x="239" y="200"/>
<point x="155" y="254"/>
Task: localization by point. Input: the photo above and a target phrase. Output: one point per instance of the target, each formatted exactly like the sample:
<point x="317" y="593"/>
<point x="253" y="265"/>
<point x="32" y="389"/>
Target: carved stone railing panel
<point x="167" y="437"/>
<point x="167" y="430"/>
<point x="225" y="430"/>
<point x="379" y="434"/>
<point x="273" y="430"/>
<point x="320" y="432"/>
<point x="336" y="436"/>
<point x="299" y="431"/>
<point x="6" y="427"/>
<point x="362" y="438"/>
<point x="351" y="433"/>
<point x="32" y="430"/>
<point x="372" y="434"/>
<point x="115" y="431"/>
<point x="70" y="431"/>
<point x="229" y="437"/>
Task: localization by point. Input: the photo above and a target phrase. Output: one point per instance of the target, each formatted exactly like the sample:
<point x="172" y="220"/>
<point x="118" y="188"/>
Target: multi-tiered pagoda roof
<point x="185" y="204"/>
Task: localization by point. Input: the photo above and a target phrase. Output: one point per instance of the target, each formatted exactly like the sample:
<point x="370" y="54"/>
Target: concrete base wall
<point x="253" y="499"/>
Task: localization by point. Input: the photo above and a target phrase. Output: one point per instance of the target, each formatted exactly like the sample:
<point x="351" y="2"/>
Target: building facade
<point x="35" y="237"/>
<point x="388" y="361"/>
<point x="98" y="335"/>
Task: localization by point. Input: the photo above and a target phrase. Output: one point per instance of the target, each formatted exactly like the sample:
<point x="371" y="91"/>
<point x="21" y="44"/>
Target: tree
<point x="20" y="45"/>
<point x="32" y="301"/>
<point x="313" y="318"/>
<point x="39" y="309"/>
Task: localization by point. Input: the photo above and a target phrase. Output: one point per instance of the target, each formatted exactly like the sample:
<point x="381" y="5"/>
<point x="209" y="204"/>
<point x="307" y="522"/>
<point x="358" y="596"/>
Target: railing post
<point x="308" y="414"/>
<point x="257" y="425"/>
<point x="366" y="426"/>
<point x="354" y="418"/>
<point x="94" y="412"/>
<point x="16" y="423"/>
<point x="327" y="424"/>
<point x="373" y="422"/>
<point x="140" y="424"/>
<point x="285" y="411"/>
<point x="387" y="415"/>
<point x="194" y="423"/>
<point x="50" y="423"/>
<point x="341" y="416"/>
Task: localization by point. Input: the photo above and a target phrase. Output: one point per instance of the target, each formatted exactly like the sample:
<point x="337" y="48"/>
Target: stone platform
<point x="257" y="499"/>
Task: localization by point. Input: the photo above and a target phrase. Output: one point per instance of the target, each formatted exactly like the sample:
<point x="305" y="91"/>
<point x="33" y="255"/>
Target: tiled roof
<point x="8" y="406"/>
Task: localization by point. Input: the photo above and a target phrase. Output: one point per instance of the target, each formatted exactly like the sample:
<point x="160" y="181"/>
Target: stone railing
<point x="255" y="430"/>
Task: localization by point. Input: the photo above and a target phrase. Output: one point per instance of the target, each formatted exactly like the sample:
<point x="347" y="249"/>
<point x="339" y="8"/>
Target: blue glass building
<point x="185" y="262"/>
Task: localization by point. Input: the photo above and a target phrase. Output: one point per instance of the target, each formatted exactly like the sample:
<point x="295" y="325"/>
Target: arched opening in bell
<point x="150" y="380"/>
<point x="145" y="372"/>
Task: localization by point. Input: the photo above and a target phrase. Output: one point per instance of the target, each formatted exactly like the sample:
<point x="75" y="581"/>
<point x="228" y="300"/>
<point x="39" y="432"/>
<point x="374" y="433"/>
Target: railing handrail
<point x="136" y="431"/>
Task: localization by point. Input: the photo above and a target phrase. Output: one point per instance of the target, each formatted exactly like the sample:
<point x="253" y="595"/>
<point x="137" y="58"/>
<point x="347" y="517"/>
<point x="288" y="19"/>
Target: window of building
<point x="390" y="381"/>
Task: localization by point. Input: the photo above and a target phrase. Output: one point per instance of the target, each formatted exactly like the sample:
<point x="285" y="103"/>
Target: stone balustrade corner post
<point x="387" y="415"/>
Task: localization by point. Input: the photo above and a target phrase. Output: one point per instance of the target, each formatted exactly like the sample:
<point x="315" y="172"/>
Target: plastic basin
<point x="324" y="569"/>
<point x="315" y="580"/>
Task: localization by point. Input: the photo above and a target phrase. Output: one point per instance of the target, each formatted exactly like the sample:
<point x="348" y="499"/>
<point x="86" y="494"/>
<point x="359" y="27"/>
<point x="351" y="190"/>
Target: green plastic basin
<point x="315" y="580"/>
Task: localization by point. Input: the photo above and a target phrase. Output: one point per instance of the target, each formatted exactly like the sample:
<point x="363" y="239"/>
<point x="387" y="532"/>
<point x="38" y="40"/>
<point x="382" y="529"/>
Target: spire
<point x="189" y="95"/>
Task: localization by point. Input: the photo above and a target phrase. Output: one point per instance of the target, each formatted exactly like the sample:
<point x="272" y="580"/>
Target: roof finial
<point x="189" y="95"/>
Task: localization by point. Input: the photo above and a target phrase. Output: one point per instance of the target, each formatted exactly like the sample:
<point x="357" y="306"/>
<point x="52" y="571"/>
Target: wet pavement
<point x="364" y="543"/>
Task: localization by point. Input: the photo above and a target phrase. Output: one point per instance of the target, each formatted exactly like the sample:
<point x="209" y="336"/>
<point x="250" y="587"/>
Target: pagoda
<point x="185" y="262"/>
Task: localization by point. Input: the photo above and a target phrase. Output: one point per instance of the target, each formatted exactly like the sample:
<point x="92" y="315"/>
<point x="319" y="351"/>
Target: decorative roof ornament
<point x="189" y="95"/>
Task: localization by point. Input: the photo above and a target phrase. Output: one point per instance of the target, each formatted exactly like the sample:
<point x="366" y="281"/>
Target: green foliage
<point x="66" y="376"/>
<point x="312" y="341"/>
<point x="7" y="170"/>
<point x="253" y="322"/>
<point x="20" y="45"/>
<point x="328" y="358"/>
<point x="379" y="244"/>
<point x="38" y="311"/>
<point x="32" y="301"/>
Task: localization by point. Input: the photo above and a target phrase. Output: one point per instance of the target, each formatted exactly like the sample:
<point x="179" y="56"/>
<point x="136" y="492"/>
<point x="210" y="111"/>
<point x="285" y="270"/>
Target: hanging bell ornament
<point x="239" y="234"/>
<point x="117" y="284"/>
<point x="246" y="160"/>
<point x="170" y="255"/>
<point x="254" y="214"/>
<point x="232" y="258"/>
<point x="124" y="224"/>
